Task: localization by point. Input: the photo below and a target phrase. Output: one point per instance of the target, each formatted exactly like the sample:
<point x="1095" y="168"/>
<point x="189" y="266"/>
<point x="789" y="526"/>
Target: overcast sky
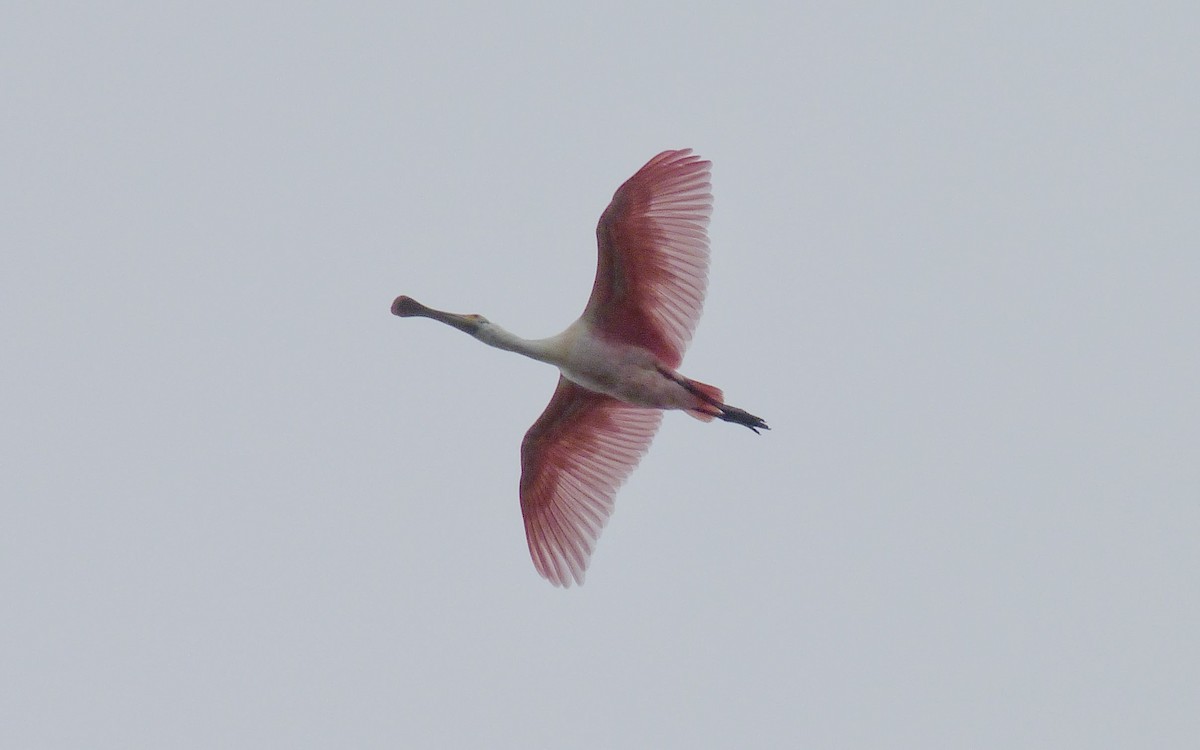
<point x="955" y="266"/>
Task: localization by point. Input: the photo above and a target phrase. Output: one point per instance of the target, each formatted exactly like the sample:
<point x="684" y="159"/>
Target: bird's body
<point x="584" y="356"/>
<point x="617" y="362"/>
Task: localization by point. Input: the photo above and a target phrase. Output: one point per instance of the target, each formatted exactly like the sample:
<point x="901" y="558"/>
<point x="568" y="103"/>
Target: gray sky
<point x="955" y="266"/>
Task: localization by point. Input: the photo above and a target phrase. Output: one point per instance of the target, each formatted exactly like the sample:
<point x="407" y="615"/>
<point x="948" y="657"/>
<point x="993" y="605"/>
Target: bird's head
<point x="407" y="307"/>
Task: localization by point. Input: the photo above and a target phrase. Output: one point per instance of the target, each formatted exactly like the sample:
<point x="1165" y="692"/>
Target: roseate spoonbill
<point x="616" y="363"/>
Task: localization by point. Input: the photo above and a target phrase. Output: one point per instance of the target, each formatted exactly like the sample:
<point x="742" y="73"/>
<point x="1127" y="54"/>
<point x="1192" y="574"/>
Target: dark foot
<point x="742" y="417"/>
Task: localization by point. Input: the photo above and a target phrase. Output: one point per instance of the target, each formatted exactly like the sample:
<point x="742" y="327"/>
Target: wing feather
<point x="573" y="460"/>
<point x="652" y="271"/>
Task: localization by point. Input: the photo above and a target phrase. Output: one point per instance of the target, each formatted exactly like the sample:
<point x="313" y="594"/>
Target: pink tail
<point x="709" y="400"/>
<point x="710" y="403"/>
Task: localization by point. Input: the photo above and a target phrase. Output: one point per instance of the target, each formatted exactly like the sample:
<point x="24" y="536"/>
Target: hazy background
<point x="955" y="266"/>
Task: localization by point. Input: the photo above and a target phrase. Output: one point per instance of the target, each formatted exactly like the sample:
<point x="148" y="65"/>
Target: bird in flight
<point x="617" y="362"/>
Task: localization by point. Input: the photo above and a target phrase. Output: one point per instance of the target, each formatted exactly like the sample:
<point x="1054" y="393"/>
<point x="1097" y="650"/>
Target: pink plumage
<point x="652" y="271"/>
<point x="651" y="277"/>
<point x="573" y="460"/>
<point x="617" y="362"/>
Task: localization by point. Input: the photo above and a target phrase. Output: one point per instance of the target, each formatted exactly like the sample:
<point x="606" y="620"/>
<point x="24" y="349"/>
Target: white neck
<point x="543" y="350"/>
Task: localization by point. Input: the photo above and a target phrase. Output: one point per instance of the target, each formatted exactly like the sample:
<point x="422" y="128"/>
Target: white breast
<point x="628" y="373"/>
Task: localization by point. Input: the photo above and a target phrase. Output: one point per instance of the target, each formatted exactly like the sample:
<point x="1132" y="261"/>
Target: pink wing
<point x="653" y="266"/>
<point x="573" y="460"/>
